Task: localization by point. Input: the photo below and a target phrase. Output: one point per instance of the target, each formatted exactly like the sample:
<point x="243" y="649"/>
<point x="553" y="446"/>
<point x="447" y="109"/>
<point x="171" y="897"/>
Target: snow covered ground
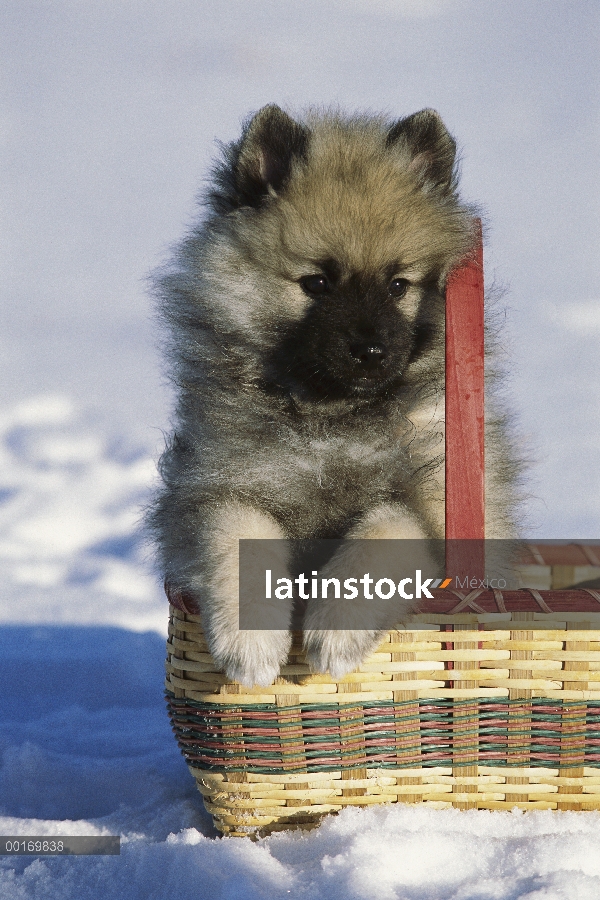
<point x="71" y="498"/>
<point x="86" y="746"/>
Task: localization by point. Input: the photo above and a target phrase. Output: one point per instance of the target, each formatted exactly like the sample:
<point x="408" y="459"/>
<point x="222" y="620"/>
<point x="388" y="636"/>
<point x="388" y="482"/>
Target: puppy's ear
<point x="270" y="143"/>
<point x="431" y="148"/>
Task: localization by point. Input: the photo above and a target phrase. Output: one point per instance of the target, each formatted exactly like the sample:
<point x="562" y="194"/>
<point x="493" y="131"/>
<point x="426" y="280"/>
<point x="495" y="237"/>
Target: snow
<point x="86" y="745"/>
<point x="69" y="520"/>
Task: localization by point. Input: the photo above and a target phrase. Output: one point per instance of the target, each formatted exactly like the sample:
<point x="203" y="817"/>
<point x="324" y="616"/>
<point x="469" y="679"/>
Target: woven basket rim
<point x="451" y="601"/>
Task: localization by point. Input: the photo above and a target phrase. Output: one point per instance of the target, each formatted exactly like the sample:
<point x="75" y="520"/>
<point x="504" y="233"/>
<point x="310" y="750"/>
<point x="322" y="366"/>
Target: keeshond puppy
<point x="306" y="315"/>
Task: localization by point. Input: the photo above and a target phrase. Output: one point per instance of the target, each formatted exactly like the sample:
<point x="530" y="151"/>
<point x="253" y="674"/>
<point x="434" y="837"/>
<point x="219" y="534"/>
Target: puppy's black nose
<point x="369" y="353"/>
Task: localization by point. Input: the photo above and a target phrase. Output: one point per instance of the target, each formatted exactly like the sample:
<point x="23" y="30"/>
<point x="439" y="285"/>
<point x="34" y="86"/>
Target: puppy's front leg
<point x="364" y="621"/>
<point x="251" y="656"/>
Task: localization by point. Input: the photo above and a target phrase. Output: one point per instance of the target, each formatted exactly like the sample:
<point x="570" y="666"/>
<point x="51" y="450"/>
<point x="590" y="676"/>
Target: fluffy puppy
<point x="306" y="321"/>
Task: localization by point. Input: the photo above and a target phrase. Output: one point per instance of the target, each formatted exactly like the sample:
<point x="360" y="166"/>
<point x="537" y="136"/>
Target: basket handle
<point x="465" y="455"/>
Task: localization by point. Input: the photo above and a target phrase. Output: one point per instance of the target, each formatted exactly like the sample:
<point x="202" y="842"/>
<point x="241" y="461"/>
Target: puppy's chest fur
<point x="316" y="478"/>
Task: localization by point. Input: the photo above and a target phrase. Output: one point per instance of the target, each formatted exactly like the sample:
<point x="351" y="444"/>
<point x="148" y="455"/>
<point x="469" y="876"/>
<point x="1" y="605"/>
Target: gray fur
<point x="270" y="439"/>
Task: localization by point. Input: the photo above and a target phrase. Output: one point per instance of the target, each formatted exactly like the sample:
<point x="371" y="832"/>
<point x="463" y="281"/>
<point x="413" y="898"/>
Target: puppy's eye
<point x="315" y="285"/>
<point x="398" y="287"/>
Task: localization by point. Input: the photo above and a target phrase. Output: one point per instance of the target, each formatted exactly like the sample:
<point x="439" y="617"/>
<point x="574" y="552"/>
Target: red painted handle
<point x="465" y="460"/>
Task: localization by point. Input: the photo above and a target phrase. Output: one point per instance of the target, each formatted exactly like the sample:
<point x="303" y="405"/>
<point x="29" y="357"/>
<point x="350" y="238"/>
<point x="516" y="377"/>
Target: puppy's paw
<point x="339" y="652"/>
<point x="252" y="657"/>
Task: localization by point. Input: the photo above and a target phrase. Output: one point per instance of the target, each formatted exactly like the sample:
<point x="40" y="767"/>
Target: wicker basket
<point x="504" y="714"/>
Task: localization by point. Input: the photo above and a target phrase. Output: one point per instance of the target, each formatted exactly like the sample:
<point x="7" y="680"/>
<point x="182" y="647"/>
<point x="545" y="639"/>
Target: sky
<point x="110" y="116"/>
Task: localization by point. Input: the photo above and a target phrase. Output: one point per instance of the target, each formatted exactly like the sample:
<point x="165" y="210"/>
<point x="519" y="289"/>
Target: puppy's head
<point x="332" y="243"/>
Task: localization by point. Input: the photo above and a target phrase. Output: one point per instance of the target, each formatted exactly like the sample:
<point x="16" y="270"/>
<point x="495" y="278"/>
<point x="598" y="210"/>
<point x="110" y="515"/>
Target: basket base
<point x="469" y="710"/>
<point x="251" y="808"/>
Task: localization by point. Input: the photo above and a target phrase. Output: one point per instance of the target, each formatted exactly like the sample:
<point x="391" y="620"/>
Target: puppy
<point x="306" y="322"/>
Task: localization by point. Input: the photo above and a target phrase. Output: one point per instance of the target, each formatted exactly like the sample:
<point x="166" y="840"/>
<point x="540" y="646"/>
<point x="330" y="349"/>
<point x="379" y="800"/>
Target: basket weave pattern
<point x="489" y="701"/>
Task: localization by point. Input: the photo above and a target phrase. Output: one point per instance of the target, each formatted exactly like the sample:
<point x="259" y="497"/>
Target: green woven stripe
<point x="387" y="734"/>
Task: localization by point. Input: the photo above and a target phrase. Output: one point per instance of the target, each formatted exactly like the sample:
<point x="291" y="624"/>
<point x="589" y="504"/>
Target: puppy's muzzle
<point x="370" y="357"/>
